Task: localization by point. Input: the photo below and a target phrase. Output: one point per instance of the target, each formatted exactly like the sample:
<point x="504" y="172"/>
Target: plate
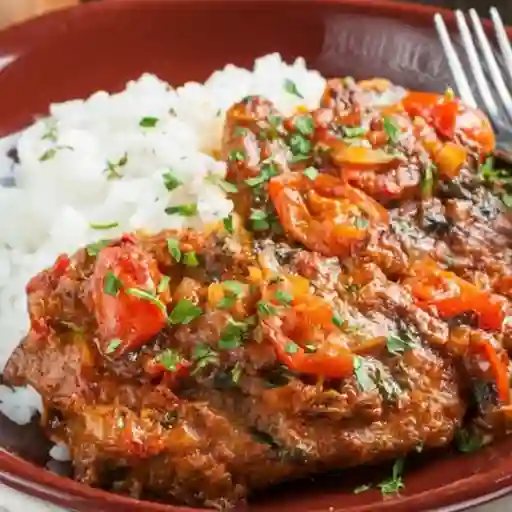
<point x="75" y="52"/>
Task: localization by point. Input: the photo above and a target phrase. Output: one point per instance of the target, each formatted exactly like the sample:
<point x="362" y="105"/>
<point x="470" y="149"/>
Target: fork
<point x="493" y="91"/>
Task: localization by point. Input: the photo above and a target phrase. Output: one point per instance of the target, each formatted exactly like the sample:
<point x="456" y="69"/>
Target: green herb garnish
<point x="112" y="284"/>
<point x="397" y="345"/>
<point x="427" y="182"/>
<point x="169" y="359"/>
<point x="163" y="285"/>
<point x="283" y="297"/>
<point x="224" y="185"/>
<point x="259" y="220"/>
<point x="190" y="259"/>
<point x="266" y="309"/>
<point x="353" y="132"/>
<point x="338" y="321"/>
<point x="391" y="129"/>
<point x="305" y="125"/>
<point x="170" y="181"/>
<point x="231" y="336"/>
<point x="234" y="287"/>
<point x="311" y="173"/>
<point x="113" y="345"/>
<point x="236" y="155"/>
<point x="149" y="297"/>
<point x="107" y="225"/>
<point x="148" y="122"/>
<point x="300" y="146"/>
<point x="467" y="441"/>
<point x="393" y="484"/>
<point x="228" y="224"/>
<point x="290" y="87"/>
<point x="362" y="374"/>
<point x="113" y="168"/>
<point x="48" y="155"/>
<point x="204" y="356"/>
<point x="94" y="248"/>
<point x="184" y="312"/>
<point x="291" y="348"/>
<point x="267" y="171"/>
<point x="185" y="210"/>
<point x="173" y="247"/>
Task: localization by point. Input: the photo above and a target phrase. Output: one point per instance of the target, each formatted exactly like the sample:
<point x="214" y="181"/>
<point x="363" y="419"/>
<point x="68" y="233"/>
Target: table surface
<point x="13" y="501"/>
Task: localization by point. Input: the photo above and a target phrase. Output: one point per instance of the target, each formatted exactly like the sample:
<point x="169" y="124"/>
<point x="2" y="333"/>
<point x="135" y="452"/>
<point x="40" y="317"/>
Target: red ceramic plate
<point x="101" y="46"/>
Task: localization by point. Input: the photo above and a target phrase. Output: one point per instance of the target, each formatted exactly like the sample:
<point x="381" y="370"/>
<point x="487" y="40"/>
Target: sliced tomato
<point x="126" y="321"/>
<point x="324" y="214"/>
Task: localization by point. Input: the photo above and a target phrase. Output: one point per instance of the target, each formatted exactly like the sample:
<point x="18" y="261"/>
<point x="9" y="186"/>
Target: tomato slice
<point x="452" y="295"/>
<point x="324" y="214"/>
<point x="126" y="321"/>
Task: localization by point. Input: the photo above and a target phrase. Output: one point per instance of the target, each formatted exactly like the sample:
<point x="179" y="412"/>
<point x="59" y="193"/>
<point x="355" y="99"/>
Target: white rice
<point x="57" y="198"/>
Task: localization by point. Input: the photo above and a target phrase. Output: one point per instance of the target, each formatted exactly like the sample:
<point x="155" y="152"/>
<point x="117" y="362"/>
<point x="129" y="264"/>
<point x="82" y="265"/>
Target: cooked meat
<point x="354" y="308"/>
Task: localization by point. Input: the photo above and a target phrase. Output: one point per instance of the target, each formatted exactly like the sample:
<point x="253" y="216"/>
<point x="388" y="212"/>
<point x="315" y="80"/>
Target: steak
<point x="354" y="308"/>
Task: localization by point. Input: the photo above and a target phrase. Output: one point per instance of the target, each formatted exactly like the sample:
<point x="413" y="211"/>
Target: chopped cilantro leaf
<point x="169" y="359"/>
<point x="148" y="122"/>
<point x="112" y="284"/>
<point x="234" y="287"/>
<point x="266" y="309"/>
<point x="184" y="312"/>
<point x="173" y="247"/>
<point x="226" y="302"/>
<point x="241" y="131"/>
<point x="291" y="348"/>
<point x="113" y="168"/>
<point x="48" y="155"/>
<point x="353" y="132"/>
<point x="203" y="357"/>
<point x="170" y="181"/>
<point x="94" y="248"/>
<point x="163" y="285"/>
<point x="305" y="125"/>
<point x="299" y="145"/>
<point x="149" y="297"/>
<point x="391" y="129"/>
<point x="393" y="484"/>
<point x="311" y="173"/>
<point x="361" y="372"/>
<point x="397" y="345"/>
<point x="113" y="345"/>
<point x="185" y="210"/>
<point x="228" y="224"/>
<point x="190" y="259"/>
<point x="236" y="155"/>
<point x="107" y="225"/>
<point x="290" y="87"/>
<point x="283" y="297"/>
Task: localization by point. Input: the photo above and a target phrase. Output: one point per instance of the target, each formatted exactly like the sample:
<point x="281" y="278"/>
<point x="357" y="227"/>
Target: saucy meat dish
<point x="355" y="307"/>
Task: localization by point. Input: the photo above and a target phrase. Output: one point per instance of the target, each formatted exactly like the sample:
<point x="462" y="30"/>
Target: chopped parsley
<point x="266" y="309"/>
<point x="353" y="132"/>
<point x="305" y="125"/>
<point x="427" y="182"/>
<point x="149" y="297"/>
<point x="394" y="483"/>
<point x="173" y="246"/>
<point x="228" y="224"/>
<point x="392" y="130"/>
<point x="190" y="259"/>
<point x="163" y="285"/>
<point x="234" y="287"/>
<point x="362" y="488"/>
<point x="283" y="297"/>
<point x="224" y="185"/>
<point x="267" y="171"/>
<point x="184" y="312"/>
<point x="185" y="210"/>
<point x="259" y="220"/>
<point x="112" y="284"/>
<point x="467" y="441"/>
<point x="170" y="181"/>
<point x="291" y="87"/>
<point x="113" y="170"/>
<point x="204" y="356"/>
<point x="107" y="225"/>
<point x="232" y="335"/>
<point x="291" y="348"/>
<point x="226" y="302"/>
<point x="362" y="374"/>
<point x="241" y="131"/>
<point x="338" y="321"/>
<point x="311" y="173"/>
<point x="94" y="248"/>
<point x="300" y="146"/>
<point x="48" y="155"/>
<point x="148" y="122"/>
<point x="397" y="345"/>
<point x="236" y="155"/>
<point x="113" y="345"/>
<point x="169" y="359"/>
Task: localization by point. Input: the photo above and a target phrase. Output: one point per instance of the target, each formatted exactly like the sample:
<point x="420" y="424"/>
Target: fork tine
<point x="494" y="69"/>
<point x="458" y="73"/>
<point x="476" y="67"/>
<point x="501" y="36"/>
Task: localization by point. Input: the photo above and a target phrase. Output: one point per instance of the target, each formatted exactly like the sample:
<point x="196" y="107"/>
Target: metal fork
<point x="495" y="95"/>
